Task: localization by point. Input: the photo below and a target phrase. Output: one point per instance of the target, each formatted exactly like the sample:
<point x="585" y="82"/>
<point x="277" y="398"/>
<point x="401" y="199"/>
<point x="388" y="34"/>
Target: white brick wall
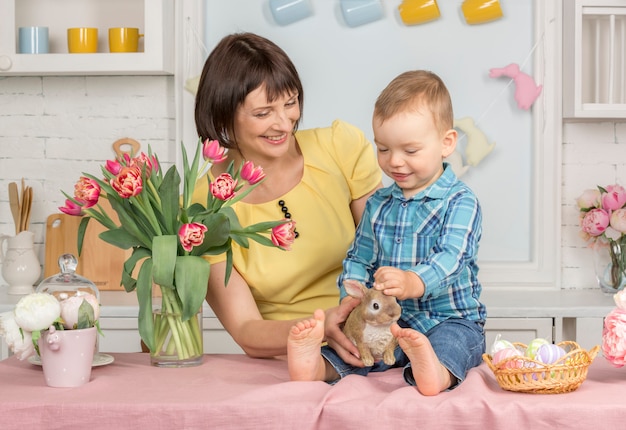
<point x="594" y="153"/>
<point x="54" y="128"/>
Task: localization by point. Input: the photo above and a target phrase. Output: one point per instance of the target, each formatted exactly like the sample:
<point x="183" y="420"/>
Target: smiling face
<point x="411" y="149"/>
<point x="263" y="128"/>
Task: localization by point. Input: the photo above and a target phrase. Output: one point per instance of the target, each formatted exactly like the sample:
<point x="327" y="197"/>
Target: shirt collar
<point x="435" y="191"/>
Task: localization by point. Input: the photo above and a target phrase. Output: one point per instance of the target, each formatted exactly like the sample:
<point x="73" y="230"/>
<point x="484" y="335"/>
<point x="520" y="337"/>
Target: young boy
<point x="417" y="241"/>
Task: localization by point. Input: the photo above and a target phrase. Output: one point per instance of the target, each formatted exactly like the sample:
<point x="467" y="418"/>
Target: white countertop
<point x="503" y="303"/>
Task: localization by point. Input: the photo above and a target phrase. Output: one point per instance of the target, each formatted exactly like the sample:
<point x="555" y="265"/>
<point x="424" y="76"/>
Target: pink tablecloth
<point x="233" y="391"/>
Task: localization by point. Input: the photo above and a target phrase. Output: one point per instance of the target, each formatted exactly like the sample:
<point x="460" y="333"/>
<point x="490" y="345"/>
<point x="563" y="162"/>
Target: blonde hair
<point x="415" y="89"/>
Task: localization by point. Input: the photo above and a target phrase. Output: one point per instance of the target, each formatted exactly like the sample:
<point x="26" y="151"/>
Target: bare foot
<point x="430" y="376"/>
<point x="303" y="349"/>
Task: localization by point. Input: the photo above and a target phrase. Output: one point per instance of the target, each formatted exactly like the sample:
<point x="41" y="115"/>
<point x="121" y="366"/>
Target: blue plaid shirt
<point x="434" y="234"/>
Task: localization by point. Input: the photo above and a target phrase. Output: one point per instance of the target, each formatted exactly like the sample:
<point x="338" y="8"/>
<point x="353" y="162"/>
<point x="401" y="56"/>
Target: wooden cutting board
<point x="99" y="262"/>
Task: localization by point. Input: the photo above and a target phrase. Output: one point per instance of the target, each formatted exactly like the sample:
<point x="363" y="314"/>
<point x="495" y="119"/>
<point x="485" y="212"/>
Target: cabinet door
<point x="594" y="59"/>
<point x="518" y="329"/>
<point x="119" y="335"/>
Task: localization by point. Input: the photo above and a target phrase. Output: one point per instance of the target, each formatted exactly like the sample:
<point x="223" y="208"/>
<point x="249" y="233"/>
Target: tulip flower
<point x="224" y="187"/>
<point x="191" y="235"/>
<point x="212" y="151"/>
<point x="87" y="191"/>
<point x="71" y="208"/>
<point x="128" y="182"/>
<point x="283" y="235"/>
<point x="251" y="173"/>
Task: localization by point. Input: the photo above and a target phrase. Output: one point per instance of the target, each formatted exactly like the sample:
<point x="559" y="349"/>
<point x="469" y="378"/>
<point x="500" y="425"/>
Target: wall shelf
<point x="154" y="18"/>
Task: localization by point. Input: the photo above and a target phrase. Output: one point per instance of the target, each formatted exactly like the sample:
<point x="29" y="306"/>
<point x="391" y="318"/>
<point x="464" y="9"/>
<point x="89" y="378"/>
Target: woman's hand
<point x="335" y="318"/>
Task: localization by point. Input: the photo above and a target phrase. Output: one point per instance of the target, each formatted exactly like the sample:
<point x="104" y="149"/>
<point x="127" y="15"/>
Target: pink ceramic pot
<point x="67" y="355"/>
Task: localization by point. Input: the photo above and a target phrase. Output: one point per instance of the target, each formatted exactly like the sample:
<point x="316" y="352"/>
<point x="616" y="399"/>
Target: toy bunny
<point x="526" y="90"/>
<point x="368" y="324"/>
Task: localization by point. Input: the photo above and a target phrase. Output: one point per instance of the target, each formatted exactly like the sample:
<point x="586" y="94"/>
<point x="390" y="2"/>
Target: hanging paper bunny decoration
<point x="526" y="90"/>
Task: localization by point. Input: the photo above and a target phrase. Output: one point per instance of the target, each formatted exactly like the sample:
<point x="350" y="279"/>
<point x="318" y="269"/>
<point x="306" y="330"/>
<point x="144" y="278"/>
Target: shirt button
<point x="404" y="204"/>
<point x="398" y="239"/>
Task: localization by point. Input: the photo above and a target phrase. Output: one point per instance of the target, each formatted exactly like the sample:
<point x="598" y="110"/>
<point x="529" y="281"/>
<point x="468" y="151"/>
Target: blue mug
<point x="359" y="12"/>
<point x="289" y="11"/>
<point x="33" y="40"/>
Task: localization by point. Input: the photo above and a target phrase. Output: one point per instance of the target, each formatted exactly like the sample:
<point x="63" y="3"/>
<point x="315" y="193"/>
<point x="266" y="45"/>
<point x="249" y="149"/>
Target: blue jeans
<point x="459" y="345"/>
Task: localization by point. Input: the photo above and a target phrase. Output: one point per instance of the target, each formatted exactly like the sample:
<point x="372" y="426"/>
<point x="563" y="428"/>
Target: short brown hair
<point x="413" y="89"/>
<point x="239" y="64"/>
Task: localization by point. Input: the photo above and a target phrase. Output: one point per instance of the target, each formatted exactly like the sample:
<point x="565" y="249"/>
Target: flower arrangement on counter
<point x="603" y="224"/>
<point x="614" y="332"/>
<point x="169" y="234"/>
<point x="37" y="312"/>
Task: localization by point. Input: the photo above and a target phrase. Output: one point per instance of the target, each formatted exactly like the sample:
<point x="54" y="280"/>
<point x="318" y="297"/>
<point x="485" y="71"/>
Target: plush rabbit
<point x="368" y="324"/>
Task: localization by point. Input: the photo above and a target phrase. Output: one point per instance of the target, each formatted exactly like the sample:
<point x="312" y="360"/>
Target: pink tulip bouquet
<point x="614" y="333"/>
<point x="603" y="224"/>
<point x="169" y="233"/>
<point x="37" y="312"/>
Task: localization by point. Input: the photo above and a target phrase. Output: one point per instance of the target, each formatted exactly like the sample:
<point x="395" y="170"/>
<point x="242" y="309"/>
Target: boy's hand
<point x="398" y="283"/>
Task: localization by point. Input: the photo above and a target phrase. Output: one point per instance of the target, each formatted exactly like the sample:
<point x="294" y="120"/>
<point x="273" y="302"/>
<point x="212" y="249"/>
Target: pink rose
<point x="213" y="151"/>
<point x="251" y="173"/>
<point x="224" y="187"/>
<point x="87" y="191"/>
<point x="595" y="222"/>
<point x="191" y="235"/>
<point x="283" y="235"/>
<point x="614" y="337"/>
<point x="618" y="220"/>
<point x="128" y="182"/>
<point x="614" y="198"/>
<point x="589" y="199"/>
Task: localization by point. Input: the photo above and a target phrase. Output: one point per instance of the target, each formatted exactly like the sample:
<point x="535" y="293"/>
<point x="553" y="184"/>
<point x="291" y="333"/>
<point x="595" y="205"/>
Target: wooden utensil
<point x="26" y="207"/>
<point x="14" y="202"/>
<point x="30" y="205"/>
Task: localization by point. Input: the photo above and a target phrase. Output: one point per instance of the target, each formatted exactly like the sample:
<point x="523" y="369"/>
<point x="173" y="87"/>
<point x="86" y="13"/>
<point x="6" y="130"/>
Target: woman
<point x="250" y="99"/>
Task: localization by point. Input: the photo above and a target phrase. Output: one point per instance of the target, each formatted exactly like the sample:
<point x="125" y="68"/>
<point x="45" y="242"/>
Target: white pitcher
<point x="20" y="265"/>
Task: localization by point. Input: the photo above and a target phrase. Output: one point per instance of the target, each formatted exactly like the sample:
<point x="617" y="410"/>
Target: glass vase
<point x="610" y="267"/>
<point x="178" y="342"/>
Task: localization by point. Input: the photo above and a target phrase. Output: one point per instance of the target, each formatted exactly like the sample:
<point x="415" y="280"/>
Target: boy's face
<point x="411" y="149"/>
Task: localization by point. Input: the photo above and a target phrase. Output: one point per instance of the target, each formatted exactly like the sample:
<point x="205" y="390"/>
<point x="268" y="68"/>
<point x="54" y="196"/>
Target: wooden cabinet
<point x="594" y="59"/>
<point x="154" y="18"/>
<point x="122" y="335"/>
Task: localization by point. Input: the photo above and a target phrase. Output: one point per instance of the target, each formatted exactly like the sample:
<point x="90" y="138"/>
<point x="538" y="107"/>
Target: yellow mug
<point x="418" y="11"/>
<point x="82" y="40"/>
<point x="124" y="39"/>
<point x="481" y="11"/>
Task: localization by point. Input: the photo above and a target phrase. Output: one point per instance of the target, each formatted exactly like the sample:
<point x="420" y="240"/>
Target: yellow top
<point x="339" y="166"/>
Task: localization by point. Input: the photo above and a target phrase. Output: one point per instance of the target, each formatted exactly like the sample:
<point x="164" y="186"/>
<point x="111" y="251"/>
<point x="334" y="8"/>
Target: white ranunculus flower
<point x="19" y="342"/>
<point x="37" y="311"/>
<point x="70" y="306"/>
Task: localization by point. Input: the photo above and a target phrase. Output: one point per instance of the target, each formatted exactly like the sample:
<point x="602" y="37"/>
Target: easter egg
<point x="503" y="354"/>
<point x="500" y="344"/>
<point x="533" y="347"/>
<point x="550" y="353"/>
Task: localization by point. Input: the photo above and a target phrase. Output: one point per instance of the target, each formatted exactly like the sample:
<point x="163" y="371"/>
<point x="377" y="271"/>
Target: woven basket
<point x="526" y="375"/>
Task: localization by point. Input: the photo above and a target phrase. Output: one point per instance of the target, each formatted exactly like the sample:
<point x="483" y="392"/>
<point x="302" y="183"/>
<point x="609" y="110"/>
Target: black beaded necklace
<point x="286" y="214"/>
